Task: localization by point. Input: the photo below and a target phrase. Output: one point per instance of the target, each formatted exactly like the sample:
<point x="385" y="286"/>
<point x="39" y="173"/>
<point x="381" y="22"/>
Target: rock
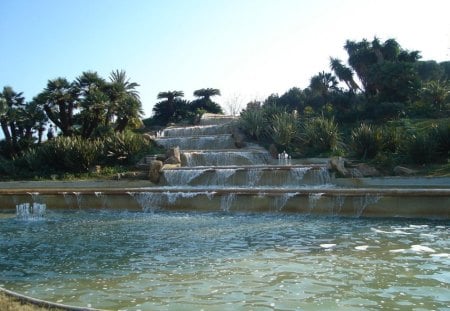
<point x="170" y="166"/>
<point x="364" y="170"/>
<point x="403" y="171"/>
<point x="173" y="156"/>
<point x="239" y="138"/>
<point x="273" y="151"/>
<point x="337" y="165"/>
<point x="172" y="160"/>
<point x="154" y="173"/>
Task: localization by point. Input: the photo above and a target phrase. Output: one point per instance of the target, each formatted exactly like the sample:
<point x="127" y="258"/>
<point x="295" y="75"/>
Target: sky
<point x="248" y="49"/>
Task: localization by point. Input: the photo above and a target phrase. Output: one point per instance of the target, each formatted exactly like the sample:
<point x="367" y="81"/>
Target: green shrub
<point x="284" y="129"/>
<point x="320" y="135"/>
<point x="421" y="148"/>
<point x="366" y="141"/>
<point x="125" y="148"/>
<point x="441" y="135"/>
<point x="253" y="122"/>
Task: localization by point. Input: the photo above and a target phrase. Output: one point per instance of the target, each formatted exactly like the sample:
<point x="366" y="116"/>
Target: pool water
<point x="226" y="261"/>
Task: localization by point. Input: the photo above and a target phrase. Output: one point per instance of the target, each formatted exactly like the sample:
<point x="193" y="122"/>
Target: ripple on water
<point x="139" y="261"/>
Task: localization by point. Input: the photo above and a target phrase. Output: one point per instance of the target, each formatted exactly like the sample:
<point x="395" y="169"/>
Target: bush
<point x="320" y="135"/>
<point x="421" y="148"/>
<point x="254" y="123"/>
<point x="284" y="129"/>
<point x="366" y="141"/>
<point x="125" y="148"/>
<point x="441" y="135"/>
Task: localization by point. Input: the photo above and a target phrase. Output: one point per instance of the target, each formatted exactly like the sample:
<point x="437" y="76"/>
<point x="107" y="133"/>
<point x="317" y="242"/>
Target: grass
<point x="8" y="303"/>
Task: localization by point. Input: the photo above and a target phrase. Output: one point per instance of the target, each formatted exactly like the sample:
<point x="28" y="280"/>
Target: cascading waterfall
<point x="297" y="173"/>
<point x="227" y="201"/>
<point x="224" y="141"/>
<point x="253" y="176"/>
<point x="195" y="130"/>
<point x="221" y="176"/>
<point x="181" y="177"/>
<point x="30" y="212"/>
<point x="313" y="198"/>
<point x="224" y="158"/>
<point x="210" y="160"/>
<point x="280" y="201"/>
<point x="361" y="203"/>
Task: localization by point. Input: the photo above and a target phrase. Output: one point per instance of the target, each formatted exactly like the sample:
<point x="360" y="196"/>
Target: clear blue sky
<point x="246" y="48"/>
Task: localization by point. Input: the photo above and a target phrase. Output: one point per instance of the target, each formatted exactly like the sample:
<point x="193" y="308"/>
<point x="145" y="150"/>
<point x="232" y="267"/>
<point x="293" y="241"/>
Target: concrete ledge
<point x="44" y="303"/>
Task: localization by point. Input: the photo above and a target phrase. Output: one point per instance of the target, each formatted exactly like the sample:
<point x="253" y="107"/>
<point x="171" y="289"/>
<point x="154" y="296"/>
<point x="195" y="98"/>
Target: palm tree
<point x="125" y="102"/>
<point x="172" y="108"/>
<point x="207" y="93"/>
<point x="59" y="102"/>
<point x="343" y="73"/>
<point x="93" y="101"/>
<point x="204" y="102"/>
<point x="11" y="103"/>
<point x="323" y="83"/>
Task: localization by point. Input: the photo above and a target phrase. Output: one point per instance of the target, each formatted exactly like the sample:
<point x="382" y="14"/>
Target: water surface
<point x="227" y="261"/>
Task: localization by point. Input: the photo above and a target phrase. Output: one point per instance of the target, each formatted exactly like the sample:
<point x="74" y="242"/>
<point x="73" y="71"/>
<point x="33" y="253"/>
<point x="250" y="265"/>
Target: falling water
<point x="253" y="176"/>
<point x="196" y="130"/>
<point x="203" y="158"/>
<point x="222" y="175"/>
<point x="227" y="201"/>
<point x="280" y="201"/>
<point x="198" y="143"/>
<point x="27" y="211"/>
<point x="360" y="203"/>
<point x="297" y="173"/>
<point x="181" y="177"/>
<point x="313" y="198"/>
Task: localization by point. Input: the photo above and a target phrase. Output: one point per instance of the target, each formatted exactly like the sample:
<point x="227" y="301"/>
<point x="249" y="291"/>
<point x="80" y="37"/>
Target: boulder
<point x="337" y="165"/>
<point x="239" y="138"/>
<point x="403" y="171"/>
<point x="364" y="170"/>
<point x="154" y="173"/>
<point x="173" y="156"/>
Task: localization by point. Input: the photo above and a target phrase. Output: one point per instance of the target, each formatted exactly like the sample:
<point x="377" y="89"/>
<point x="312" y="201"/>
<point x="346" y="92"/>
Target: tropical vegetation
<point x="383" y="104"/>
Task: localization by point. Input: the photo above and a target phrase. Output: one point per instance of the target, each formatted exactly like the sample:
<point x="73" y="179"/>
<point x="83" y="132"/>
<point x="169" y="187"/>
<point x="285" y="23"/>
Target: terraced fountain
<point x="215" y="175"/>
<point x="231" y="229"/>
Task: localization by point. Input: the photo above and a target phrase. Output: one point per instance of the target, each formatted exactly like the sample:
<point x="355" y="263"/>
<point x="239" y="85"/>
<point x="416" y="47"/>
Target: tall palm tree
<point x="93" y="101"/>
<point x="59" y="101"/>
<point x="323" y="83"/>
<point x="343" y="73"/>
<point x="11" y="103"/>
<point x="121" y="93"/>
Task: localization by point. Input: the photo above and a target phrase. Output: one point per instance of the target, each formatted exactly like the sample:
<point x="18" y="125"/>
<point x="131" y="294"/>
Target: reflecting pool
<point x="226" y="261"/>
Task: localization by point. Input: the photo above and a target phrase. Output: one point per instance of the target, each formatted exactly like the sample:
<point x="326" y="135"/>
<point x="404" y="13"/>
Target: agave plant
<point x="366" y="141"/>
<point x="284" y="129"/>
<point x="253" y="122"/>
<point x="321" y="135"/>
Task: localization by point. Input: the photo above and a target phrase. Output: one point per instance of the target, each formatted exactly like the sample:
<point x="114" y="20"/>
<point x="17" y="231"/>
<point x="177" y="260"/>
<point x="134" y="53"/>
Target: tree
<point x="93" y="102"/>
<point x="11" y="104"/>
<point x="377" y="65"/>
<point x="59" y="100"/>
<point x="343" y="73"/>
<point x="204" y="102"/>
<point x="125" y="102"/>
<point x="171" y="108"/>
<point x="323" y="83"/>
